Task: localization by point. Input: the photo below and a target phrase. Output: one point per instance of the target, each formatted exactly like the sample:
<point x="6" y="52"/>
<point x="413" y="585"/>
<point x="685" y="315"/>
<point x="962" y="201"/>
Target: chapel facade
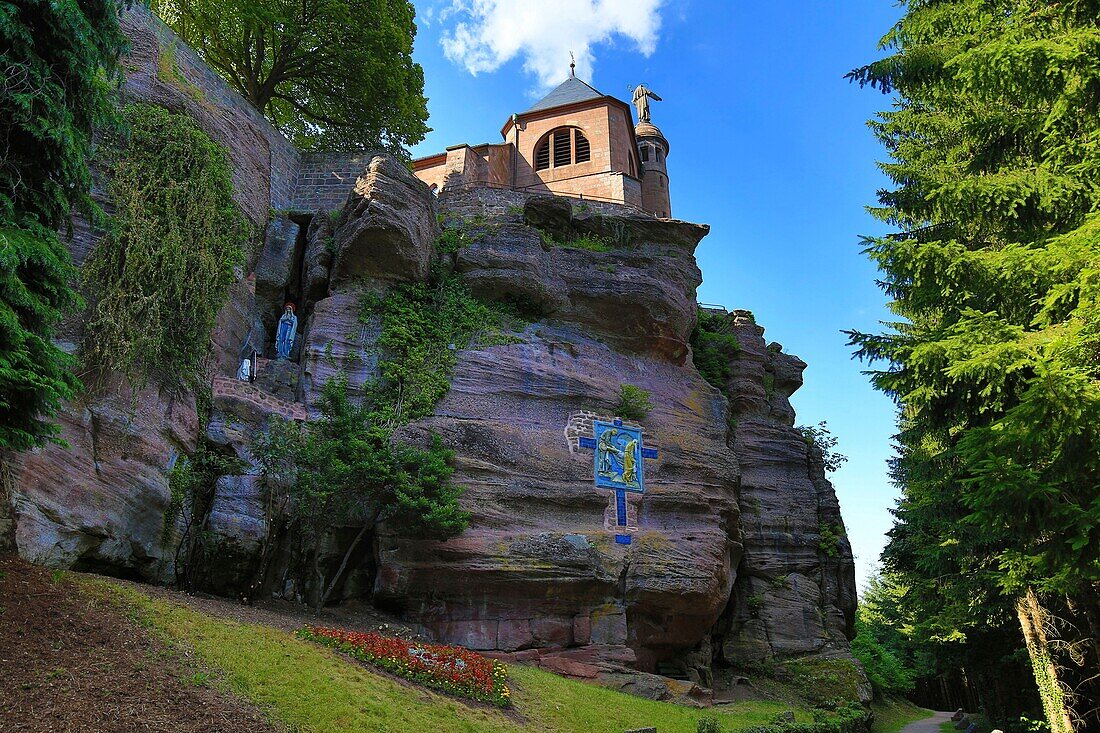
<point x="575" y="141"/>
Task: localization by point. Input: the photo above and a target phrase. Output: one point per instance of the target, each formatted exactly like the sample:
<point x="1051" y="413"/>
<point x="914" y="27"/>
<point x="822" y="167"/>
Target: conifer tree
<point x="59" y="62"/>
<point x="994" y="143"/>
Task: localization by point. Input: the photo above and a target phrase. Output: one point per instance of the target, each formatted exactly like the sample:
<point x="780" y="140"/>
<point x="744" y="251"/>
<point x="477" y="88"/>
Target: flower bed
<point x="452" y="669"/>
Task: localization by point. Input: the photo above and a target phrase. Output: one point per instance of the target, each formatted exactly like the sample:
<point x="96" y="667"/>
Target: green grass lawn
<point x="311" y="688"/>
<point x="893" y="714"/>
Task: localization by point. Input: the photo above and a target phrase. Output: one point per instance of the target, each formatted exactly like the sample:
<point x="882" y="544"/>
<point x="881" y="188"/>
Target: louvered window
<point x="584" y="152"/>
<point x="563" y="155"/>
<point x="542" y="155"/>
<point x="561" y="147"/>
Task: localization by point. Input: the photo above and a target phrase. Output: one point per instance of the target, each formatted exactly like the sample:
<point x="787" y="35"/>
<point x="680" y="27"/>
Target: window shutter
<point x="584" y="151"/>
<point x="563" y="155"/>
<point x="542" y="155"/>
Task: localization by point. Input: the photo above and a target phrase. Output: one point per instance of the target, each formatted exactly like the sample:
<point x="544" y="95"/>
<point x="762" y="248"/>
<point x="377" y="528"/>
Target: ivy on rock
<point x="162" y="273"/>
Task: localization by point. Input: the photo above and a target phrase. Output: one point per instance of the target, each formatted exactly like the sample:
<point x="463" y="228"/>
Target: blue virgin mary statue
<point x="284" y="337"/>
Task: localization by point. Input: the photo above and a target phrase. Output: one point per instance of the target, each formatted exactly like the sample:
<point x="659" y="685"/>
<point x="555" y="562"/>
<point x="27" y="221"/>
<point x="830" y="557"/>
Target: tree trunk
<point x="343" y="565"/>
<point x="7" y="513"/>
<point x="275" y="523"/>
<point x="1031" y="616"/>
<point x="320" y="576"/>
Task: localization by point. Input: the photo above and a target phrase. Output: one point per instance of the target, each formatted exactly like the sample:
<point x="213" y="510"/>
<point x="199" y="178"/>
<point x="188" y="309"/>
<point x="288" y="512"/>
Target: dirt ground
<point x="70" y="662"/>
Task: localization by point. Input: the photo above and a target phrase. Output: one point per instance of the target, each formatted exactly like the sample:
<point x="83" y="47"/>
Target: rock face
<point x="795" y="591"/>
<point x="537" y="568"/>
<point x="737" y="551"/>
<point x="100" y="503"/>
<point x="387" y="227"/>
<point x="640" y="296"/>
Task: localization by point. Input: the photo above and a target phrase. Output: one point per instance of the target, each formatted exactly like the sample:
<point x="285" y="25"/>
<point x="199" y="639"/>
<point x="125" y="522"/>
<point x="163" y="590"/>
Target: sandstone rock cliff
<point x="738" y="554"/>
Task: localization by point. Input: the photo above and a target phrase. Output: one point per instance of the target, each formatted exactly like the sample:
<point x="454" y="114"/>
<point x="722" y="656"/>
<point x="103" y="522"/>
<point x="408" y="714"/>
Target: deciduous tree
<point x="334" y="74"/>
<point x="348" y="471"/>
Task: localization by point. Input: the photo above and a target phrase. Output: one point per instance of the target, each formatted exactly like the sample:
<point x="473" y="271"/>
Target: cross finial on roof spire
<point x="572" y="65"/>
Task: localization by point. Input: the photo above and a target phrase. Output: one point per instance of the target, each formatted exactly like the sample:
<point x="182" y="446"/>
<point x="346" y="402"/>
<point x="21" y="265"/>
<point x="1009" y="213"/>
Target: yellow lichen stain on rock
<point x="653" y="541"/>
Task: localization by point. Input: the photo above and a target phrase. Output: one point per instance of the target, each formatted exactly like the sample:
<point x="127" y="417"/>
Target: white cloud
<point x="485" y="34"/>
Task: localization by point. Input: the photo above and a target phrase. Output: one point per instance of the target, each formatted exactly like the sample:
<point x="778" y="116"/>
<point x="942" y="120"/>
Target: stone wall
<point x="161" y="69"/>
<point x="325" y="179"/>
<point x="499" y="202"/>
<point x="233" y="388"/>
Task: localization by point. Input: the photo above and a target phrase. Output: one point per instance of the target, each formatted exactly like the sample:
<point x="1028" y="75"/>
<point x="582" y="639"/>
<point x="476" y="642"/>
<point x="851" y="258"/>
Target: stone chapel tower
<point x="653" y="149"/>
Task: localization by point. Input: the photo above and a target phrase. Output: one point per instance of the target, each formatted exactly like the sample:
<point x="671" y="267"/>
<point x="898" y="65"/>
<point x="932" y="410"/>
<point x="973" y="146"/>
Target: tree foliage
<point x="995" y="159"/>
<point x="333" y="74"/>
<point x="60" y="68"/>
<point x="820" y="437"/>
<point x="345" y="469"/>
<point x="713" y="347"/>
<point x="162" y="273"/>
<point x="883" y="643"/>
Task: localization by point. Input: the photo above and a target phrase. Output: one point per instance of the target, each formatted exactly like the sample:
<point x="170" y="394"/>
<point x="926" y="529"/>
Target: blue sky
<point x="768" y="145"/>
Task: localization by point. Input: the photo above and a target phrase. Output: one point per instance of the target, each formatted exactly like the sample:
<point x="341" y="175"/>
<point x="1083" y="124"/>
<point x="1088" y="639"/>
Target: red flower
<point x="454" y="669"/>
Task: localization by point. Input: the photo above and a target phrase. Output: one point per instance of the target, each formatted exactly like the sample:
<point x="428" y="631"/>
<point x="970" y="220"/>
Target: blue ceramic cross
<point x="618" y="465"/>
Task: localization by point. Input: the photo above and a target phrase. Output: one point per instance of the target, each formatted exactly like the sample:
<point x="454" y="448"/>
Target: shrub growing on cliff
<point x="423" y="327"/>
<point x="160" y="276"/>
<point x="348" y="472"/>
<point x="713" y="347"/>
<point x="60" y="67"/>
<point x="334" y="74"/>
<point x="633" y="403"/>
<point x="819" y="437"/>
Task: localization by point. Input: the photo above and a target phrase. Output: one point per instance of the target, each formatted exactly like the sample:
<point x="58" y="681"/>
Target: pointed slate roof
<point x="569" y="91"/>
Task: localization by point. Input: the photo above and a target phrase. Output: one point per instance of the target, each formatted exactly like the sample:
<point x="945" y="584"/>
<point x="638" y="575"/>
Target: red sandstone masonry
<point x="238" y="389"/>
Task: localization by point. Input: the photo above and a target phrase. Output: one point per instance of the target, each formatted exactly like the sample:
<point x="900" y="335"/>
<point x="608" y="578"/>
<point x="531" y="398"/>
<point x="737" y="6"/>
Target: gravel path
<point x="928" y="725"/>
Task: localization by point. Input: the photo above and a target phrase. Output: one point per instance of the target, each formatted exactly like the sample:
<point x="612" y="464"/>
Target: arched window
<point x="561" y="147"/>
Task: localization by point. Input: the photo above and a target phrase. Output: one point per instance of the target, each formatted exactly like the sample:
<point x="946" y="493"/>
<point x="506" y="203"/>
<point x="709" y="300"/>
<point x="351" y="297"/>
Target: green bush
<point x="344" y="468"/>
<point x="848" y="718"/>
<point x="886" y="672"/>
<point x="708" y="723"/>
<point x="827" y="683"/>
<point x="819" y="437"/>
<point x="714" y="346"/>
<point x="162" y="273"/>
<point x="831" y="535"/>
<point x="423" y="327"/>
<point x="633" y="403"/>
